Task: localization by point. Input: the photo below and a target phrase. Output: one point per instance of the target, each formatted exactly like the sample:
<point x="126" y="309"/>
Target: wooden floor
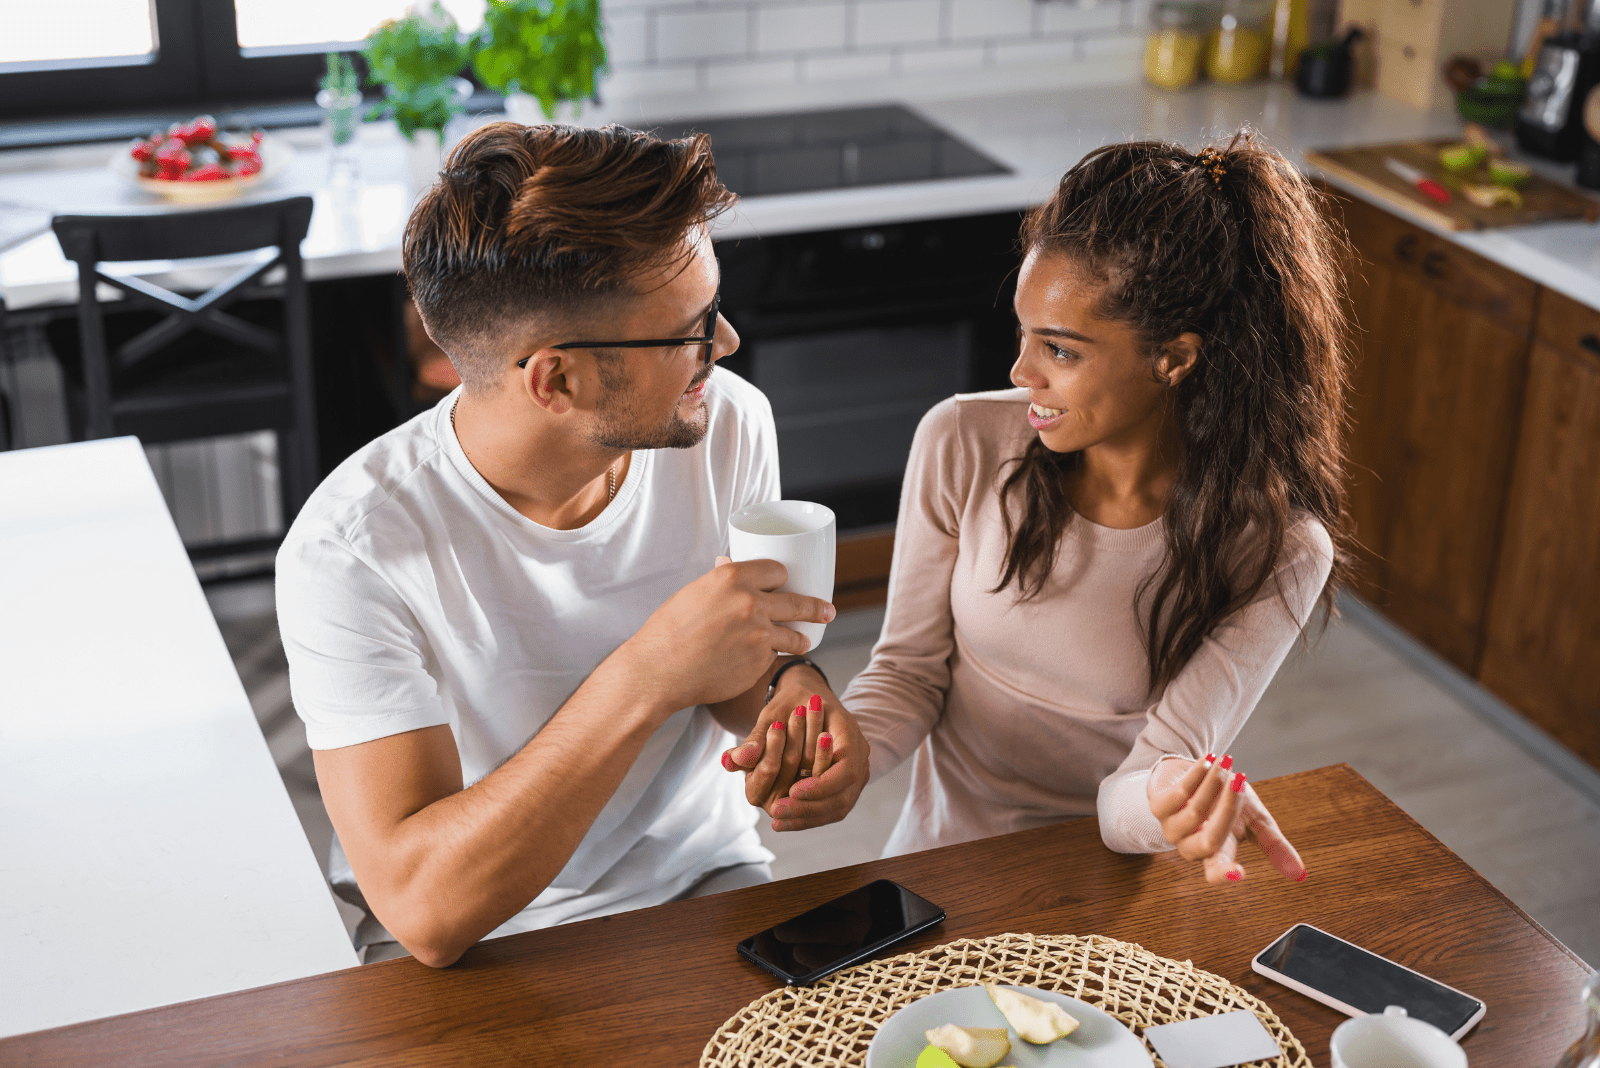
<point x="1352" y="697"/>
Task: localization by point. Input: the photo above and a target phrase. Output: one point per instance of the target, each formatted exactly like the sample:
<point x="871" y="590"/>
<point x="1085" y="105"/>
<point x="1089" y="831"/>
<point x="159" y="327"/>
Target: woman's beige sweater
<point x="1022" y="714"/>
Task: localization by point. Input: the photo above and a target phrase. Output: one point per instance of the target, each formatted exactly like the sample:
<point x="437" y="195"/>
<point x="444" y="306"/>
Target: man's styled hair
<point x="530" y="221"/>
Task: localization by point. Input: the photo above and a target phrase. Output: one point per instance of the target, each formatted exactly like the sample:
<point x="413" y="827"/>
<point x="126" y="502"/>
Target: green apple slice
<point x="934" y="1057"/>
<point x="971" y="1047"/>
<point x="1036" y="1021"/>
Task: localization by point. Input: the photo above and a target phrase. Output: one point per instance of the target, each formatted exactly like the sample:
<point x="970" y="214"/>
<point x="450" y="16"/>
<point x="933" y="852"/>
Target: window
<point x="267" y="27"/>
<point x="88" y="57"/>
<point x="78" y="33"/>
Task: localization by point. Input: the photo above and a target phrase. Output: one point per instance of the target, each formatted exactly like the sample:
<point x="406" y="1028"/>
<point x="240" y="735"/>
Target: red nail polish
<point x="727" y="762"/>
<point x="1238" y="783"/>
<point x="1210" y="759"/>
<point x="1301" y="877"/>
<point x="800" y="713"/>
<point x="816" y="702"/>
<point x="777" y="724"/>
<point x="1227" y="762"/>
<point x="1234" y="876"/>
<point x="825" y="741"/>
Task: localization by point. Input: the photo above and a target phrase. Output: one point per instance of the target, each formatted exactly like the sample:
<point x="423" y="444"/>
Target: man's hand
<point x="805" y="761"/>
<point x="1208" y="809"/>
<point x="715" y="637"/>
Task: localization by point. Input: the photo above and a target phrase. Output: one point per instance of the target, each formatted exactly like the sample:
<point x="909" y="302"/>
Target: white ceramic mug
<point x="797" y="534"/>
<point x="1393" y="1040"/>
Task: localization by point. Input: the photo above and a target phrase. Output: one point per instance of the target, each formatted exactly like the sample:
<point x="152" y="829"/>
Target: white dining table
<point x="149" y="853"/>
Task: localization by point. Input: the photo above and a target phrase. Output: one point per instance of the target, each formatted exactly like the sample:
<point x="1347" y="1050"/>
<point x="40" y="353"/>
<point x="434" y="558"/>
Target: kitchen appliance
<point x="1325" y="70"/>
<point x="853" y="334"/>
<point x="1589" y="153"/>
<point x="803" y="151"/>
<point x="1550" y="122"/>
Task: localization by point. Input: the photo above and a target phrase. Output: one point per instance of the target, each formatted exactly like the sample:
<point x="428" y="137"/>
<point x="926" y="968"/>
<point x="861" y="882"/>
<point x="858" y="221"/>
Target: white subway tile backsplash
<point x="991" y="18"/>
<point x="702" y="34"/>
<point x="649" y="81"/>
<point x="838" y="68"/>
<point x="751" y="73"/>
<point x="627" y="38"/>
<point x="1129" y="46"/>
<point x="800" y="27"/>
<point x="933" y="60"/>
<point x="883" y="23"/>
<point x="1080" y="18"/>
<point x="681" y="46"/>
<point x="1059" y="49"/>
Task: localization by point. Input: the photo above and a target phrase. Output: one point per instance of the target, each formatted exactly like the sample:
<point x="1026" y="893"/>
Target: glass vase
<point x="341" y="125"/>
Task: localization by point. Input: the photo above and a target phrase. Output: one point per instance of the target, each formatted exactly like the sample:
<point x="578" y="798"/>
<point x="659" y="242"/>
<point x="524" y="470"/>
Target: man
<point x="505" y="633"/>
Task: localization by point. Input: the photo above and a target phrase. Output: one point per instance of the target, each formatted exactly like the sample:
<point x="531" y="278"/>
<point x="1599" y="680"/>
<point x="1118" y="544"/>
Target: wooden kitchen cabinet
<point x="1542" y="652"/>
<point x="1443" y="339"/>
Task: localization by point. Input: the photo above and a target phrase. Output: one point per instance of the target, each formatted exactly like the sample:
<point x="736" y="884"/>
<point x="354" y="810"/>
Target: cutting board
<point x="1542" y="199"/>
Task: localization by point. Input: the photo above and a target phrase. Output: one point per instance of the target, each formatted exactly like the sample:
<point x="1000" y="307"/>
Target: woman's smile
<point x="1041" y="417"/>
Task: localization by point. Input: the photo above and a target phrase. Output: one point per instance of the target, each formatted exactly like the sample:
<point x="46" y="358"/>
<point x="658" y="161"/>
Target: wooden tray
<point x="1542" y="199"/>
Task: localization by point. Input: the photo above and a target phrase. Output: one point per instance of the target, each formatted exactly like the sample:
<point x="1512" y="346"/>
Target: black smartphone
<point x="845" y="931"/>
<point x="1358" y="982"/>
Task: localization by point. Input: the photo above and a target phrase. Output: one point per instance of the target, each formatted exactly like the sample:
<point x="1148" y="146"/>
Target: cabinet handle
<point x="1405" y="249"/>
<point x="1433" y="265"/>
<point x="1590" y="342"/>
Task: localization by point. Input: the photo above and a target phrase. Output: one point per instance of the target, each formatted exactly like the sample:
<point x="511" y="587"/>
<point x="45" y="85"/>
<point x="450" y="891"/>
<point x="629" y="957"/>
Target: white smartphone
<point x="1358" y="982"/>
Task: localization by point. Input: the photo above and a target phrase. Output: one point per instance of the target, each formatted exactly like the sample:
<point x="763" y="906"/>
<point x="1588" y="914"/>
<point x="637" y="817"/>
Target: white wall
<point x="685" y="46"/>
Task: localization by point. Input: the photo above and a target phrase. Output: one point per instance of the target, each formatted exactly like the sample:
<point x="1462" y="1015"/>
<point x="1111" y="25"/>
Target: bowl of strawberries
<point x="194" y="162"/>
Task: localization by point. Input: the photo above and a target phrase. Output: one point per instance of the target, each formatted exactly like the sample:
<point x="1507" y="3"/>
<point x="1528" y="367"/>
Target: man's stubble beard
<point x="618" y="421"/>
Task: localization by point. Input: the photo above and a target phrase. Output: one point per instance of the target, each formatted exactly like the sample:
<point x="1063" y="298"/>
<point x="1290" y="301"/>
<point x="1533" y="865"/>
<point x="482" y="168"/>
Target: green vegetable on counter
<point x="1505" y="172"/>
<point x="1458" y="159"/>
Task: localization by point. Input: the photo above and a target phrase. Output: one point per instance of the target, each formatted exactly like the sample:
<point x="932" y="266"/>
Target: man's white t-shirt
<point x="410" y="594"/>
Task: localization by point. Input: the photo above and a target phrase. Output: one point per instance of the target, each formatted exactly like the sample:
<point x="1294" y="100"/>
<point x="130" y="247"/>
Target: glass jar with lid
<point x="1177" y="37"/>
<point x="1240" y="44"/>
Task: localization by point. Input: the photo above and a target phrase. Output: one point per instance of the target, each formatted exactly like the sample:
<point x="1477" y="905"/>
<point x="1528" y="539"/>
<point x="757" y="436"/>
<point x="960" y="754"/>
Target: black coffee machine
<point x="1550" y="121"/>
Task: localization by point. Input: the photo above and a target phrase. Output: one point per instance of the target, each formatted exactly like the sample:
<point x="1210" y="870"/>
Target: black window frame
<point x="198" y="66"/>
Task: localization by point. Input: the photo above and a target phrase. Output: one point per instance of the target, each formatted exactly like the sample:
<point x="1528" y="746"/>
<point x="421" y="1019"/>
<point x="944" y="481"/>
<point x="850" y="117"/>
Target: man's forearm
<point x="457" y="867"/>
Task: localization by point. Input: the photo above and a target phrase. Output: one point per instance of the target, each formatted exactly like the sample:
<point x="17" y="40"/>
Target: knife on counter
<point x="1425" y="185"/>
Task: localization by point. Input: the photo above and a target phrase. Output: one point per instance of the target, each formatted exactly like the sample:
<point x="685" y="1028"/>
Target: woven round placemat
<point x="829" y="1025"/>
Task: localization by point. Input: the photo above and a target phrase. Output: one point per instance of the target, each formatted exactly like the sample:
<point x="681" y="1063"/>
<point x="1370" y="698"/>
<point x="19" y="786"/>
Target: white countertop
<point x="148" y="851"/>
<point x="1039" y="133"/>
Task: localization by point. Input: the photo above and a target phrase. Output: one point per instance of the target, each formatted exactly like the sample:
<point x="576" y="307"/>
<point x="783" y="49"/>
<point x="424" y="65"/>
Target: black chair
<point x="168" y="367"/>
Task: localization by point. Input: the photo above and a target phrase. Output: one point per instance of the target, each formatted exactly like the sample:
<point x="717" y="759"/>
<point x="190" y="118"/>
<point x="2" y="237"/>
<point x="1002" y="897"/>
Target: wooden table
<point x="650" y="987"/>
<point x="148" y="851"/>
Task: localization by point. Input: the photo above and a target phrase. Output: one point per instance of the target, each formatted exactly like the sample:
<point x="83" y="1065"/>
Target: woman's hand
<point x="805" y="762"/>
<point x="1208" y="809"/>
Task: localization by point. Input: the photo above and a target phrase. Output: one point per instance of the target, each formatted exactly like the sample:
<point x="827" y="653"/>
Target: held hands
<point x="1206" y="810"/>
<point x="715" y="637"/>
<point x="805" y="762"/>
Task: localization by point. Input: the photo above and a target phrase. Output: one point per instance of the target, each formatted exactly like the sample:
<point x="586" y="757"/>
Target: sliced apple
<point x="1035" y="1020"/>
<point x="934" y="1057"/>
<point x="971" y="1047"/>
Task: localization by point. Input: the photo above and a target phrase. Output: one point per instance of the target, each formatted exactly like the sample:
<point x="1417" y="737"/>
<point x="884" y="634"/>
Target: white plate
<point x="1101" y="1041"/>
<point x="276" y="155"/>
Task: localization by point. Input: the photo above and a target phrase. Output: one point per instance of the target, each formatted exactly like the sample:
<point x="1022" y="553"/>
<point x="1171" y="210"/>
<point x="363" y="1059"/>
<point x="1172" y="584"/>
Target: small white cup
<point x="797" y="534"/>
<point x="1393" y="1040"/>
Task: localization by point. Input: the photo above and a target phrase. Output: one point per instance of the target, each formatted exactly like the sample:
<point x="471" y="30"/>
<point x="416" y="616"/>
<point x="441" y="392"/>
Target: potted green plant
<point x="417" y="60"/>
<point x="541" y="50"/>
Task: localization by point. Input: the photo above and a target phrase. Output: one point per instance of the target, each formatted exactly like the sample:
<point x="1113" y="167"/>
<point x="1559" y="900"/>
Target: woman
<point x="1097" y="574"/>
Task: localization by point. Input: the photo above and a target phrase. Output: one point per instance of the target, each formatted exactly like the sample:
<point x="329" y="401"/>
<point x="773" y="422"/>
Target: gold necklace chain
<point x="611" y="472"/>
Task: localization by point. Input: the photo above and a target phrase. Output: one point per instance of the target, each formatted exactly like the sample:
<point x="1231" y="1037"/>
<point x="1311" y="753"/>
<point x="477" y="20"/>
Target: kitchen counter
<point x="1038" y="133"/>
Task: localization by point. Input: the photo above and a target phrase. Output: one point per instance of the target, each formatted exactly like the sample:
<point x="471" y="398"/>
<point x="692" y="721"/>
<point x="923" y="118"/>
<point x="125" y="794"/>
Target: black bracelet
<point x="772" y="687"/>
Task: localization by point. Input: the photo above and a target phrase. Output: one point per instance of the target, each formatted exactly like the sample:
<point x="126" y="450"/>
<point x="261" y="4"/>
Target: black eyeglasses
<point x="708" y="339"/>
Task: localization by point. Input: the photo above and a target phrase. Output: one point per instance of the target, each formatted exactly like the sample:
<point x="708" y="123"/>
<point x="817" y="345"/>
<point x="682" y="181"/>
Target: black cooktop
<point x="800" y="151"/>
